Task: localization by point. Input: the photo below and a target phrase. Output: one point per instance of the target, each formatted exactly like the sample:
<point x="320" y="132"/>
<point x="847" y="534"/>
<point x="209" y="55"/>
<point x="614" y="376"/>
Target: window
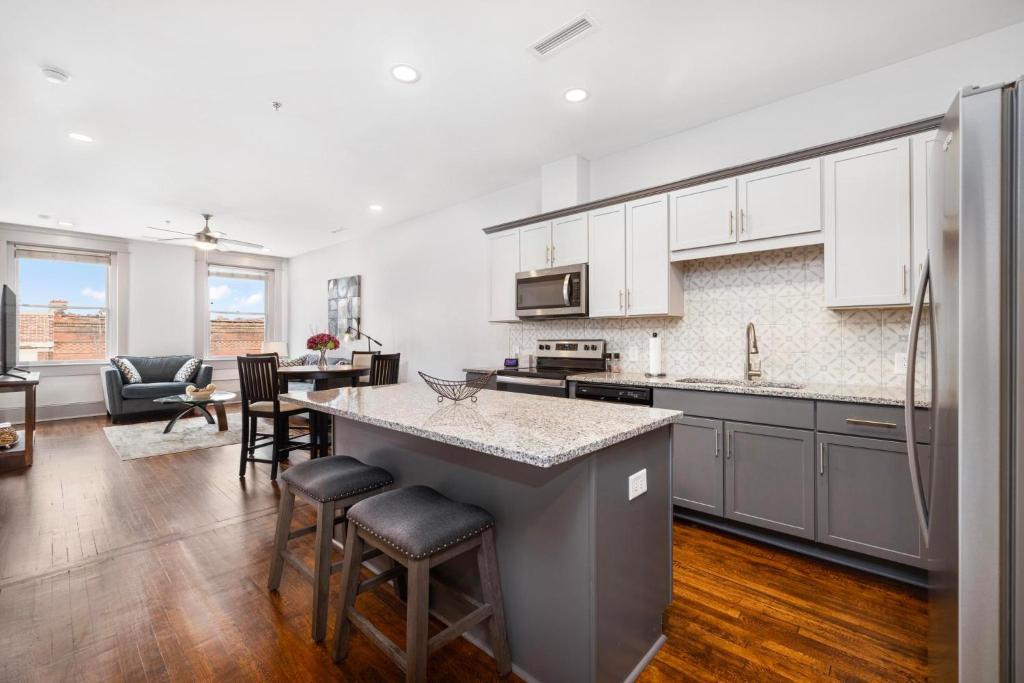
<point x="64" y="309"/>
<point x="238" y="310"/>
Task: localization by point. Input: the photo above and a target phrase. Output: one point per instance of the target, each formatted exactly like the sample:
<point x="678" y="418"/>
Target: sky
<point x="241" y="296"/>
<point x="81" y="284"/>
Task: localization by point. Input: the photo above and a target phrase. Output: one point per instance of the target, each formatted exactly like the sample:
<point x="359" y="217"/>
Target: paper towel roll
<point x="654" y="355"/>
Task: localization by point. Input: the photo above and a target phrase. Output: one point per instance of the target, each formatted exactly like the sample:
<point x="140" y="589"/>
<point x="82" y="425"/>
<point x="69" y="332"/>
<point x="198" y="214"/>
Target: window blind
<point x="51" y="254"/>
<point x="239" y="273"/>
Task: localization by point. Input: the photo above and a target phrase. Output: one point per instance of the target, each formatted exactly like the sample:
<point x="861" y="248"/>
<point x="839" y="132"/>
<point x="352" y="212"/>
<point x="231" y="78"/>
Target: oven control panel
<point x="571" y="348"/>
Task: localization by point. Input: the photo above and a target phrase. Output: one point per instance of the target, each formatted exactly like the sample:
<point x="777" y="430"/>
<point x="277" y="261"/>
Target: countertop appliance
<point x="552" y="292"/>
<point x="555" y="360"/>
<point x="969" y="502"/>
<point x="616" y="393"/>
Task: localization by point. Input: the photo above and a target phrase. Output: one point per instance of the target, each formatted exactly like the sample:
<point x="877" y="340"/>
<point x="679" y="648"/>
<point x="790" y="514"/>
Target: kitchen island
<point x="586" y="572"/>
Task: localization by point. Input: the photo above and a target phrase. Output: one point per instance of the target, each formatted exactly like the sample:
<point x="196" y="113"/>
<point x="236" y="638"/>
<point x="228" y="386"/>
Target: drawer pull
<point x="869" y="423"/>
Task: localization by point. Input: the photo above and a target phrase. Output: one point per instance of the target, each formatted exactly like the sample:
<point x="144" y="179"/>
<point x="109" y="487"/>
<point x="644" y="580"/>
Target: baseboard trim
<point x="55" y="412"/>
<point x="890" y="570"/>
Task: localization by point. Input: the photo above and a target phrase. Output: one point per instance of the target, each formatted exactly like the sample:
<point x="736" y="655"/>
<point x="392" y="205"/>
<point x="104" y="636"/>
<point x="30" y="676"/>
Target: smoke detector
<point x="563" y="35"/>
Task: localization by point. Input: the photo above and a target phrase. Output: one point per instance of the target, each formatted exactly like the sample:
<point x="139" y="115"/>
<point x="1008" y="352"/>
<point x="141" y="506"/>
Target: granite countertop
<point x="542" y="431"/>
<point x="845" y="393"/>
<point x="483" y="370"/>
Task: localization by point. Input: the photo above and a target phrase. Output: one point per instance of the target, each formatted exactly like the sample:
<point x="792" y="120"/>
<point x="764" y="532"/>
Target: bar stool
<point x="329" y="484"/>
<point x="419" y="528"/>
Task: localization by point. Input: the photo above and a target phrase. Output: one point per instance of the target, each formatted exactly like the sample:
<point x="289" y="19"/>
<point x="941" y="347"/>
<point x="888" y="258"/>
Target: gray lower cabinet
<point x="769" y="477"/>
<point x="865" y="502"/>
<point x="697" y="471"/>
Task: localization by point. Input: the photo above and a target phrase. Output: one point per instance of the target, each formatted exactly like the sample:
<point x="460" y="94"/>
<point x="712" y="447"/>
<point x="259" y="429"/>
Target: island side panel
<point x="633" y="552"/>
<point x="543" y="532"/>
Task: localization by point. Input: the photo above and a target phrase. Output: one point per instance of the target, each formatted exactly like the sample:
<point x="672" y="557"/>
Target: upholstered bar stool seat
<point x="330" y="484"/>
<point x="419" y="528"/>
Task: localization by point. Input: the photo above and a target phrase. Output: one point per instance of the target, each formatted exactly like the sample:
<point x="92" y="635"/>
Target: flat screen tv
<point x="8" y="330"/>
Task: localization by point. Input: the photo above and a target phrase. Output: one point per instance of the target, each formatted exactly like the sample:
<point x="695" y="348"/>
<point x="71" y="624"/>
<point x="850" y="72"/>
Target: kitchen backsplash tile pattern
<point x="783" y="293"/>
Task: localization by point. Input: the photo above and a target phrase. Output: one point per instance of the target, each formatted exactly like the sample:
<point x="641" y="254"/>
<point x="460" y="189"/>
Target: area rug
<point x="146" y="439"/>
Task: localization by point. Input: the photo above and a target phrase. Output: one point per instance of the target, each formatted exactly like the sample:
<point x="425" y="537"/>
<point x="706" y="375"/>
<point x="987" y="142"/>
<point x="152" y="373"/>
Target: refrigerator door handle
<point x="908" y="409"/>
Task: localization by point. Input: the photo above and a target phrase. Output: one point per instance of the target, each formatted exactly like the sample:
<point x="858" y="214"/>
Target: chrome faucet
<point x="753" y="365"/>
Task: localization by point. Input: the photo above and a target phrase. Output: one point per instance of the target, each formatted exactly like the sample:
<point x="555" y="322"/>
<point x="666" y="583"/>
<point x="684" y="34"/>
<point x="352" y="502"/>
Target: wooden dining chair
<point x="362" y="359"/>
<point x="260" y="385"/>
<point x="384" y="368"/>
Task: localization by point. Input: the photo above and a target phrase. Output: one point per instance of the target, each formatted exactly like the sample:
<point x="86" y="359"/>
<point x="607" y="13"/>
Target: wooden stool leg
<point x="490" y="578"/>
<point x="322" y="568"/>
<point x="284" y="523"/>
<point x="245" y="446"/>
<point x="417" y="622"/>
<point x="251" y="443"/>
<point x="349" y="588"/>
<point x="275" y="448"/>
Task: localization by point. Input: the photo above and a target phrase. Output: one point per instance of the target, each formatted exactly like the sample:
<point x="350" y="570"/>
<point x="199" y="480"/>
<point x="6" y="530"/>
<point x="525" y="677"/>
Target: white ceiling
<point x="178" y="97"/>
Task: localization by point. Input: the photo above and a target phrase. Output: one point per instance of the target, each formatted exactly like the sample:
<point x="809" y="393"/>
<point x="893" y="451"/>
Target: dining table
<point x="331" y="377"/>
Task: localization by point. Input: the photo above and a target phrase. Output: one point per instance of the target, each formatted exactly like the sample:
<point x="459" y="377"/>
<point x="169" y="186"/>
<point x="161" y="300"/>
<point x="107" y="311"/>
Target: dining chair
<point x="260" y="389"/>
<point x="384" y="368"/>
<point x="362" y="359"/>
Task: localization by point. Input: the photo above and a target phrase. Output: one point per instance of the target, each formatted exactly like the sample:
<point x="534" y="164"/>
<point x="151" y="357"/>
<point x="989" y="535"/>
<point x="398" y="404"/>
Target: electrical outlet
<point x="899" y="363"/>
<point x="637" y="484"/>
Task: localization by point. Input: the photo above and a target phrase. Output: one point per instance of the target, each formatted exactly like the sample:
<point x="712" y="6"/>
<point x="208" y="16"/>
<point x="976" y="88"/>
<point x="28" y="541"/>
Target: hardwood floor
<point x="156" y="569"/>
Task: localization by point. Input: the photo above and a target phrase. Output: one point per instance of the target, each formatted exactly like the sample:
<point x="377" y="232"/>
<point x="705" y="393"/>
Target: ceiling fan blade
<point x="218" y="234"/>
<point x="175" y="239"/>
<point x="178" y="232"/>
<point x="239" y="243"/>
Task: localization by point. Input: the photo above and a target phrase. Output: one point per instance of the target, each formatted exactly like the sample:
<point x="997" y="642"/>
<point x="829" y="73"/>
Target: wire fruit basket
<point x="457" y="390"/>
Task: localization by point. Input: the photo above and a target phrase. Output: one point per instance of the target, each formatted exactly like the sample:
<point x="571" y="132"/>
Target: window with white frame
<point x="237" y="322"/>
<point x="64" y="304"/>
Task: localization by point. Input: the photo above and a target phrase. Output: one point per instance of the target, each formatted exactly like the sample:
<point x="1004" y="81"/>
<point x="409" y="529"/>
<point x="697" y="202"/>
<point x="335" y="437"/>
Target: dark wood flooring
<point x="155" y="569"/>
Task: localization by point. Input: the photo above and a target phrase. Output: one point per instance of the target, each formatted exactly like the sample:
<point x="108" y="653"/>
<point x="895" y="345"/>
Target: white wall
<point x="424" y="285"/>
<point x="907" y="91"/>
<point x="161" y="318"/>
<point x="425" y="282"/>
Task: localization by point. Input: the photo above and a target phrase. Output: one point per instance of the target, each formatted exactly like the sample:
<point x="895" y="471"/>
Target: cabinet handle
<point x="728" y="445"/>
<point x="730" y="222"/>
<point x="860" y="422"/>
<point x="547" y="255"/>
<point x="627" y="300"/>
<point x="904" y="279"/>
<point x="552" y="256"/>
<point x="718" y="443"/>
<point x="743" y="221"/>
<point x="621" y="308"/>
<point x="821" y="460"/>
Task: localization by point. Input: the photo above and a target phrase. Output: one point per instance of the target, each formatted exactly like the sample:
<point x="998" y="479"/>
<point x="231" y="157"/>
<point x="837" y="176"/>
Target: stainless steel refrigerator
<point x="969" y="303"/>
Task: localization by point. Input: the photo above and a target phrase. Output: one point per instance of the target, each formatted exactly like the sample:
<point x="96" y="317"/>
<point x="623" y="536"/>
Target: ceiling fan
<point x="207" y="239"/>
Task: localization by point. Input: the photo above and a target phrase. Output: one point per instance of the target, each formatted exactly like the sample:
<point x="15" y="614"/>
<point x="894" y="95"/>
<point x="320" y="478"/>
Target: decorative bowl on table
<point x="457" y="390"/>
<point x="8" y="436"/>
<point x="197" y="394"/>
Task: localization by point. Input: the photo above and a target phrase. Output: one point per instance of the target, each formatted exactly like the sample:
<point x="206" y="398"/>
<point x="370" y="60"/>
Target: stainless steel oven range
<point x="555" y="360"/>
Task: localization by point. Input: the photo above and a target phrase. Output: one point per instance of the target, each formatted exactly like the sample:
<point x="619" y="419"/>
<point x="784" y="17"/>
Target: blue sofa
<point x="157" y="374"/>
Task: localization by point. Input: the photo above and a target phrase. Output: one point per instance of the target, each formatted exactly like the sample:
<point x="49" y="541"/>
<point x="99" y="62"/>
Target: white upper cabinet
<point x="703" y="215"/>
<point x="569" y="240"/>
<point x="867" y="225"/>
<point x="922" y="151"/>
<point x="607" y="271"/>
<point x="653" y="286"/>
<point x="536" y="246"/>
<point x="503" y="261"/>
<point x="779" y="201"/>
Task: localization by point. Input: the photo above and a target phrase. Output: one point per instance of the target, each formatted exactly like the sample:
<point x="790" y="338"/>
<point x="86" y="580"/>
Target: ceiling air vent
<point x="562" y="36"/>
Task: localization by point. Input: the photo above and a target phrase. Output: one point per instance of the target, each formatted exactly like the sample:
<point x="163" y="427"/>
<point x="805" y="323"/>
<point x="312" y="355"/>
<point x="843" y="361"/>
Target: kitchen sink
<point x="740" y="383"/>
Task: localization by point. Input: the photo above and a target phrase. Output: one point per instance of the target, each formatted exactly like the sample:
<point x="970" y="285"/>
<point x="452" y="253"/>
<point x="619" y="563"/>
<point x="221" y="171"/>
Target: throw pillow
<point x="186" y="371"/>
<point x="128" y="372"/>
<point x="292" y="362"/>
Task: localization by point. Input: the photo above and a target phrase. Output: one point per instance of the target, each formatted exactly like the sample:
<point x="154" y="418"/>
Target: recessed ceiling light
<point x="81" y="137"/>
<point x="405" y="73"/>
<point x="65" y="224"/>
<point x="576" y="95"/>
<point x="54" y="75"/>
<point x="43" y="216"/>
<point x="376" y="208"/>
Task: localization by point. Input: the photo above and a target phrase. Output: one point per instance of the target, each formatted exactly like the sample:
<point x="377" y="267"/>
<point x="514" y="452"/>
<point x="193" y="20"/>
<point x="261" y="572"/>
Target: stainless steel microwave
<point x="552" y="292"/>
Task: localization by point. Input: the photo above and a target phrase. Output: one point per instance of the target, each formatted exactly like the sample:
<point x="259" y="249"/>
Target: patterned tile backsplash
<point x="783" y="293"/>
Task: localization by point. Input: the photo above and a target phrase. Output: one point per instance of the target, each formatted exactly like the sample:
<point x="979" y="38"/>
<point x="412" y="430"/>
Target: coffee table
<point x="188" y="403"/>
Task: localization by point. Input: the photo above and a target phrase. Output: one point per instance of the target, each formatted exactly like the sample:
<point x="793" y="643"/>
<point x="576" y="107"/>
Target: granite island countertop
<point x="845" y="393"/>
<point x="542" y="431"/>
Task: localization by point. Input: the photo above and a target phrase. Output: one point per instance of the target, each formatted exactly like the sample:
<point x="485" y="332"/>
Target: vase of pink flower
<point x="322" y="342"/>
